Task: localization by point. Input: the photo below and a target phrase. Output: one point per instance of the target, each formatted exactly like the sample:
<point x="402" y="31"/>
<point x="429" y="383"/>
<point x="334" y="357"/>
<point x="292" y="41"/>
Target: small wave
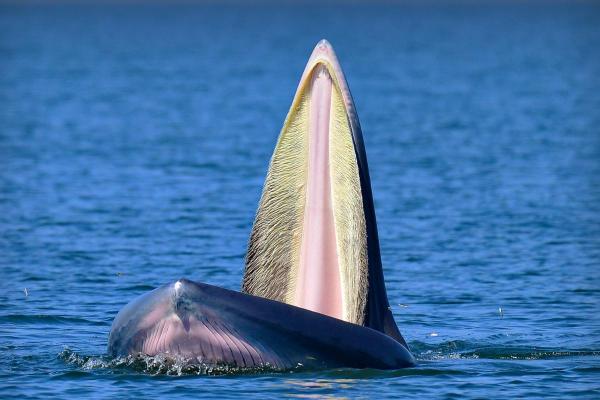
<point x="461" y="349"/>
<point x="157" y="365"/>
<point x="419" y="370"/>
<point x="47" y="319"/>
<point x="527" y="353"/>
<point x="137" y="288"/>
<point x="165" y="364"/>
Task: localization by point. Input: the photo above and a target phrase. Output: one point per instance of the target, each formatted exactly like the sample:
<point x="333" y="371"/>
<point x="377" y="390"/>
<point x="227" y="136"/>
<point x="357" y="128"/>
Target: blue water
<point x="134" y="141"/>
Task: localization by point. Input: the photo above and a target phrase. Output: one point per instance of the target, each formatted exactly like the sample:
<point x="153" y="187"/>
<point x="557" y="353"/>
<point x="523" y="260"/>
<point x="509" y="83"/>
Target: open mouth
<point x="309" y="241"/>
<point x="313" y="245"/>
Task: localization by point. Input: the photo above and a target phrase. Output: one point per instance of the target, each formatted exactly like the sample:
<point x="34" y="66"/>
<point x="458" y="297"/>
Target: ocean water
<point x="134" y="141"/>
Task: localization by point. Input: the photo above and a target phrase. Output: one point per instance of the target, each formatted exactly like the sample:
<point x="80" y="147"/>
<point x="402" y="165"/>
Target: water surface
<point x="134" y="141"/>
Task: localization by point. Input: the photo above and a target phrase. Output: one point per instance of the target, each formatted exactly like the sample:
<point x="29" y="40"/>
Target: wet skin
<point x="220" y="326"/>
<point x="310" y="328"/>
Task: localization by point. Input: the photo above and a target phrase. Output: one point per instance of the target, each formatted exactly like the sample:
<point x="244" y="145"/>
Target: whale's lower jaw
<point x="217" y="326"/>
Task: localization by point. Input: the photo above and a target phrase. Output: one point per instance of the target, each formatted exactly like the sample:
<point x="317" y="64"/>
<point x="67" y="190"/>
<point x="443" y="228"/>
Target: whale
<point x="313" y="293"/>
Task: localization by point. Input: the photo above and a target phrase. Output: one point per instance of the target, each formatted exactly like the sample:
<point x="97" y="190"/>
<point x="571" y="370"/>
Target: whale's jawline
<point x="230" y="328"/>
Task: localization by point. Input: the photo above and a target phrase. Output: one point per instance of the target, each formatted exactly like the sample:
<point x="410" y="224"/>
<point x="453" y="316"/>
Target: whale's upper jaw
<point x="314" y="242"/>
<point x="323" y="53"/>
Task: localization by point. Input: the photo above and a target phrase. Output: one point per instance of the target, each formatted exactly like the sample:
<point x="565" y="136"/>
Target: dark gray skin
<point x="378" y="314"/>
<point x="219" y="326"/>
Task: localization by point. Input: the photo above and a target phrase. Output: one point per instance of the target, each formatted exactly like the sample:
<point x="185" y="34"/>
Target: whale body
<point x="225" y="327"/>
<point x="313" y="293"/>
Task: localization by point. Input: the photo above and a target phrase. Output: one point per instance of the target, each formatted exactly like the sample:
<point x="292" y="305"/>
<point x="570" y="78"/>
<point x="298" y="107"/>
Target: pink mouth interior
<point x="318" y="286"/>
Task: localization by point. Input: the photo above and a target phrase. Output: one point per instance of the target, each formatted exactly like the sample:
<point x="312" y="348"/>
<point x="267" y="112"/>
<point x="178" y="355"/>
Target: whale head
<point x="314" y="242"/>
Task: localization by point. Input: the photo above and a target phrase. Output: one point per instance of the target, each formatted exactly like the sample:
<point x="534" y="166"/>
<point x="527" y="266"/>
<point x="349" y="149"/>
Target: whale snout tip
<point x="323" y="47"/>
<point x="323" y="53"/>
<point x="179" y="286"/>
<point x="324" y="44"/>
